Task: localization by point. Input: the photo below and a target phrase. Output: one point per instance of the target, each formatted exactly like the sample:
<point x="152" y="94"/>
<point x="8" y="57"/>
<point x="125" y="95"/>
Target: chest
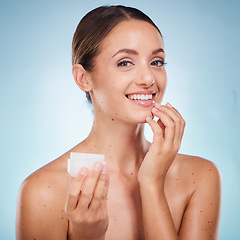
<point x="125" y="209"/>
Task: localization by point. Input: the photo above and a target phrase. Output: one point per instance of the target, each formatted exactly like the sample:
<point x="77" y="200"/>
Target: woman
<point x="148" y="190"/>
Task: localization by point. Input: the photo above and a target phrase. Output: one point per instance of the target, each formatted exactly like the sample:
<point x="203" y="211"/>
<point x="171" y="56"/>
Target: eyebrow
<point x="126" y="50"/>
<point x="133" y="52"/>
<point x="158" y="51"/>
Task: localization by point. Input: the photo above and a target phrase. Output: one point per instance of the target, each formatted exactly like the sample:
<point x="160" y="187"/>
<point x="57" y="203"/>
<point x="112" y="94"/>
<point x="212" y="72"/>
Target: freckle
<point x="208" y="221"/>
<point x="211" y="221"/>
<point x="131" y="173"/>
<point x="194" y="182"/>
<point x="44" y="205"/>
<point x="62" y="217"/>
<point x="48" y="186"/>
<point x="201" y="211"/>
<point x="192" y="173"/>
<point x="177" y="179"/>
<point x="110" y="157"/>
<point x="110" y="145"/>
<point x="62" y="210"/>
<point x="112" y="119"/>
<point x="206" y="230"/>
<point x="209" y="169"/>
<point x="211" y="203"/>
<point x="116" y="114"/>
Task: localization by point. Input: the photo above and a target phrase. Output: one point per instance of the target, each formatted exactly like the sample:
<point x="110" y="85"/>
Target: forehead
<point x="132" y="34"/>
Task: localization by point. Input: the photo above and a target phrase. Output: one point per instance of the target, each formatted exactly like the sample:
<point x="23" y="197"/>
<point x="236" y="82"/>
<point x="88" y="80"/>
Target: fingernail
<point x="169" y="105"/>
<point x="98" y="167"/>
<point x="84" y="171"/>
<point x="104" y="169"/>
<point x="148" y="118"/>
<point x="157" y="104"/>
<point x="155" y="109"/>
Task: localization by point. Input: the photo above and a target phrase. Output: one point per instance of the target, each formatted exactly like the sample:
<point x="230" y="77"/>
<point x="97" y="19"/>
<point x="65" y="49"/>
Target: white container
<point x="80" y="160"/>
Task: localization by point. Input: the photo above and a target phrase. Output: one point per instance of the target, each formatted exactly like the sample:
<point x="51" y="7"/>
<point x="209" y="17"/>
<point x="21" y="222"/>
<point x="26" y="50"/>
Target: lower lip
<point x="143" y="103"/>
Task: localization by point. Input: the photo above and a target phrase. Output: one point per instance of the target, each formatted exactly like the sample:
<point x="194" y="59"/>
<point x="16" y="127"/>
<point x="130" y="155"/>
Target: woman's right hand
<point x="86" y="204"/>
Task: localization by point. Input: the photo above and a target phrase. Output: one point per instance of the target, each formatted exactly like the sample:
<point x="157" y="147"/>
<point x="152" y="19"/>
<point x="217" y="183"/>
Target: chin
<point x="141" y="118"/>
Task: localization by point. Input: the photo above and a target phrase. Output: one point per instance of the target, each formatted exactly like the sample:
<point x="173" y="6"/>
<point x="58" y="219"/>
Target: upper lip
<point x="145" y="92"/>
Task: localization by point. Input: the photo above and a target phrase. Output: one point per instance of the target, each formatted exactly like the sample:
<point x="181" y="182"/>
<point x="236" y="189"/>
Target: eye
<point x="124" y="63"/>
<point x="158" y="63"/>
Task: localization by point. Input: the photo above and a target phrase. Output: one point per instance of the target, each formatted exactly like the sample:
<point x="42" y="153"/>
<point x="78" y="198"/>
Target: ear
<point x="81" y="77"/>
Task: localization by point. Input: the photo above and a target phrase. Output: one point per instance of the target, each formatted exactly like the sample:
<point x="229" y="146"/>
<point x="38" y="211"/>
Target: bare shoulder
<point x="41" y="195"/>
<point x="48" y="178"/>
<point x="202" y="214"/>
<point x="193" y="165"/>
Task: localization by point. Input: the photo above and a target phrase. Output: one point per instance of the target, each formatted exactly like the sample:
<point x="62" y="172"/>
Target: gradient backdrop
<point x="43" y="113"/>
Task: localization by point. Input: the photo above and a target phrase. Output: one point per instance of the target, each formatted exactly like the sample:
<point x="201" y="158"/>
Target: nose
<point x="145" y="76"/>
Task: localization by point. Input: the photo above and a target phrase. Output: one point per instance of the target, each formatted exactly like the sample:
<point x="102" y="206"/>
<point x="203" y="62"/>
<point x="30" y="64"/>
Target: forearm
<point x="157" y="219"/>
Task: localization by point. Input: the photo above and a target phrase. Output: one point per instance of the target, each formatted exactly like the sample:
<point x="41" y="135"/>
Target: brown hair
<point x="94" y="27"/>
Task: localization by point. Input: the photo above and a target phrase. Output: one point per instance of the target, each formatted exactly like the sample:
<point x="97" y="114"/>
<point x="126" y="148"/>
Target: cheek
<point x="106" y="96"/>
<point x="164" y="85"/>
<point x="162" y="82"/>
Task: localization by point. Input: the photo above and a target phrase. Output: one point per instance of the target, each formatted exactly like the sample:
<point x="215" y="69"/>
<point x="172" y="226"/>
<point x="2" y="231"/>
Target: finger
<point x="105" y="191"/>
<point x="177" y="119"/>
<point x="162" y="126"/>
<point x="89" y="186"/>
<point x="99" y="193"/>
<point x="106" y="186"/>
<point x="183" y="123"/>
<point x="75" y="189"/>
<point x="168" y="123"/>
<point x="157" y="130"/>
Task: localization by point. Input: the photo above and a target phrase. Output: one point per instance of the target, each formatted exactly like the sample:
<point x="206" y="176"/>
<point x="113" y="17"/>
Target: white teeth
<point x="140" y="97"/>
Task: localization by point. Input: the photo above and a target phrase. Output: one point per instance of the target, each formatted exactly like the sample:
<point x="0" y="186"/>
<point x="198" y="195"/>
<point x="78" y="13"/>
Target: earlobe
<point x="80" y="77"/>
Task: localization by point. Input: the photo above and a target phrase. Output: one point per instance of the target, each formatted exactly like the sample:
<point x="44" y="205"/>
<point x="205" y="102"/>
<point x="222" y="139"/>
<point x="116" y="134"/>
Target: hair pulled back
<point x="94" y="27"/>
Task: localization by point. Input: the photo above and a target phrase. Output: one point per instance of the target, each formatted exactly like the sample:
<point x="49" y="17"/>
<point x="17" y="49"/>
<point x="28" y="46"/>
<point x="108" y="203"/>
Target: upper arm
<point x="39" y="214"/>
<point x="202" y="215"/>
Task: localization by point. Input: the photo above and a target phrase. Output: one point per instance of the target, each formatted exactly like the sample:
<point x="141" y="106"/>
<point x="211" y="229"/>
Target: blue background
<point x="44" y="114"/>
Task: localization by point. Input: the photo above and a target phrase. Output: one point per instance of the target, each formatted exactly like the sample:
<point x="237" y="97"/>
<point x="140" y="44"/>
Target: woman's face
<point x="129" y="73"/>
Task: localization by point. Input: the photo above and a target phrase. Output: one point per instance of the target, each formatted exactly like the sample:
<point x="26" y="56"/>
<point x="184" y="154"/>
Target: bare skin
<point x="148" y="190"/>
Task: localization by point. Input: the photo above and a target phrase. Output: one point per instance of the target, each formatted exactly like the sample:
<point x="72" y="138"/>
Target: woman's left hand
<point x="167" y="136"/>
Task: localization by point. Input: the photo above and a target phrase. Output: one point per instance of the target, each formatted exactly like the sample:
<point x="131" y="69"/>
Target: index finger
<point x="75" y="189"/>
<point x="89" y="187"/>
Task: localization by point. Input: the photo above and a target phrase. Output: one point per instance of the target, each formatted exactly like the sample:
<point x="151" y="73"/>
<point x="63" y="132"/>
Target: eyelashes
<point x="158" y="63"/>
<point x="124" y="63"/>
<point x="127" y="63"/>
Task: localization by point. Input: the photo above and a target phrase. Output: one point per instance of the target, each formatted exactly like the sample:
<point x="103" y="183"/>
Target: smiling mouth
<point x="141" y="97"/>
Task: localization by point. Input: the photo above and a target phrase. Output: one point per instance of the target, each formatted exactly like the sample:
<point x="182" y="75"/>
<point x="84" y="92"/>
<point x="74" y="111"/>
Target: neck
<point x="123" y="144"/>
